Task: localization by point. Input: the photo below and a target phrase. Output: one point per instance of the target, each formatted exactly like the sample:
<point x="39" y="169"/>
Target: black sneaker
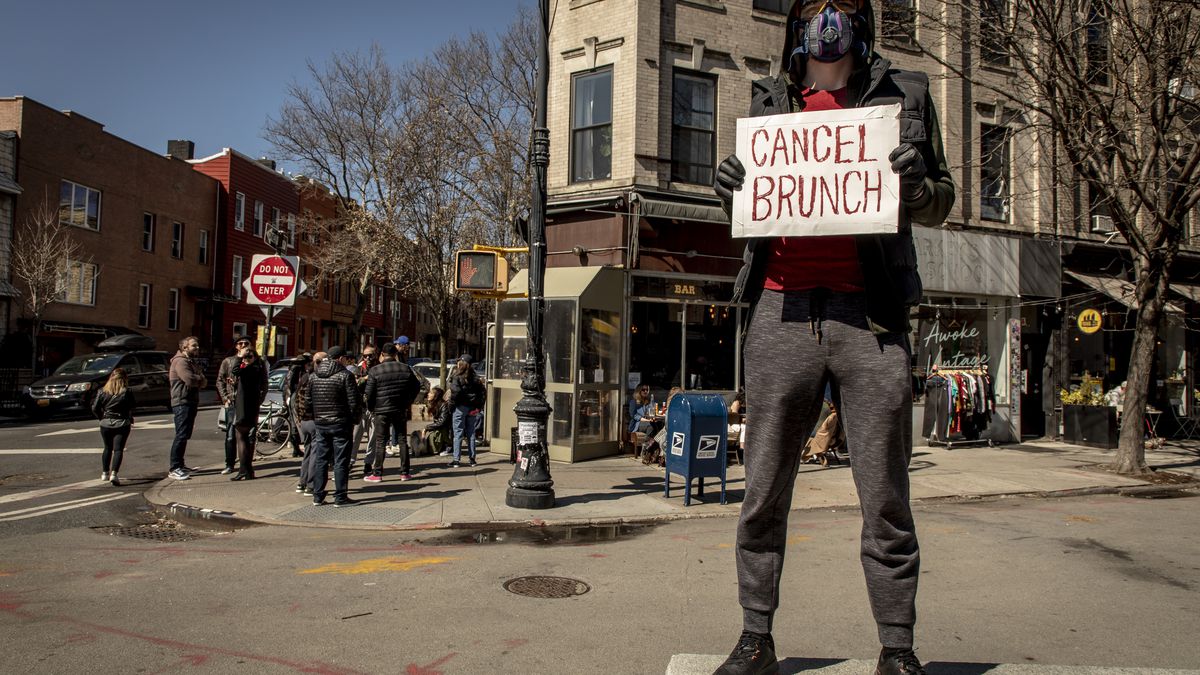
<point x="344" y="501"/>
<point x="898" y="662"/>
<point x="318" y="502"/>
<point x="453" y="465"/>
<point x="753" y="655"/>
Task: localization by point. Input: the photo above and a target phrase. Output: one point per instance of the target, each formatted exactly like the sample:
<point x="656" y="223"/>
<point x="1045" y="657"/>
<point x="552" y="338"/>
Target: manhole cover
<point x="164" y="532"/>
<point x="546" y="587"/>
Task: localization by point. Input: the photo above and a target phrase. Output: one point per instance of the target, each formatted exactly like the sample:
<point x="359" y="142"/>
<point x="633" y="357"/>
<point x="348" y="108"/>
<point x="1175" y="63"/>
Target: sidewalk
<point x="620" y="490"/>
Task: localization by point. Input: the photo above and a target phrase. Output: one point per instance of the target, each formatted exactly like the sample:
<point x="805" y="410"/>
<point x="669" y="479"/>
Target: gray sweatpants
<point x="798" y="341"/>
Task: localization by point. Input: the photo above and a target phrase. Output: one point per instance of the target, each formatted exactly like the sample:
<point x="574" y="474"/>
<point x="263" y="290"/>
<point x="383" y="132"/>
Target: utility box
<point x="697" y="427"/>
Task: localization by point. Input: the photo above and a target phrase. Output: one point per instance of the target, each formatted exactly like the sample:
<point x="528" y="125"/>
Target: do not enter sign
<point x="273" y="281"/>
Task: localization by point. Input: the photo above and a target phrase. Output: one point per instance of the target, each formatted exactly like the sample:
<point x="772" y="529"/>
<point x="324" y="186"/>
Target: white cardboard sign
<point x="818" y="173"/>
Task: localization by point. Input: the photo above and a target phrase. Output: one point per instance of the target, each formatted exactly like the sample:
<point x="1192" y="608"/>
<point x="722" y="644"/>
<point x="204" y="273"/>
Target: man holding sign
<point x="840" y="154"/>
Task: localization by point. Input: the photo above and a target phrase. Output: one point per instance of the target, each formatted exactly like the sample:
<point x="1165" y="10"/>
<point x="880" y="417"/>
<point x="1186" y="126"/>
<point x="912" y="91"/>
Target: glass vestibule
<point x="581" y="343"/>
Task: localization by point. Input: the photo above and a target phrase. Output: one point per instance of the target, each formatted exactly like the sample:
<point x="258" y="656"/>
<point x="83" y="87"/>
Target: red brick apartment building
<point x="251" y="196"/>
<point x="147" y="226"/>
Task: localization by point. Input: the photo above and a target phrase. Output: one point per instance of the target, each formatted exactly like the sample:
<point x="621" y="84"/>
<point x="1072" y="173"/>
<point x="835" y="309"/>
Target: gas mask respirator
<point x="827" y="35"/>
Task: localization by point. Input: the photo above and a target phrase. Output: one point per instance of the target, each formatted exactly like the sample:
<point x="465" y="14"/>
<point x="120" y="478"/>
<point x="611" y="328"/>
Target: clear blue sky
<point x="211" y="71"/>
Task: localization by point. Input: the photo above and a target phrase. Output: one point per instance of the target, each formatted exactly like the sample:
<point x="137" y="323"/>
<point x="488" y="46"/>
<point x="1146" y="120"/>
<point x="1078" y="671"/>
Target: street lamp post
<point x="275" y="240"/>
<point x="531" y="486"/>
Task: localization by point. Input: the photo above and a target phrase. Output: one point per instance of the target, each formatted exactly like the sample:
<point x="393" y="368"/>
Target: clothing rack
<point x="969" y="411"/>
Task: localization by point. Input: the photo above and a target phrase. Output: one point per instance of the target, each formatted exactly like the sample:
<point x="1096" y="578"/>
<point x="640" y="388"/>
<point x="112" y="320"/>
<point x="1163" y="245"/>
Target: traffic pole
<point x="531" y="486"/>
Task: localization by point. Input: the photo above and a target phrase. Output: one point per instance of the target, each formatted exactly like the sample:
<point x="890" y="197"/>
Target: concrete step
<point x="705" y="664"/>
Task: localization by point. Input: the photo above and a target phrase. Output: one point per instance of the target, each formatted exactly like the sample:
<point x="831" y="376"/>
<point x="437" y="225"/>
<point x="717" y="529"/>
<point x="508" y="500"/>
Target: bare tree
<point x="1110" y="84"/>
<point x="343" y="130"/>
<point x="42" y="256"/>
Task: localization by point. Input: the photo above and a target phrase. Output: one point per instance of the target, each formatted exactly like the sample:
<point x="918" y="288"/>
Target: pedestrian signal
<point x="480" y="272"/>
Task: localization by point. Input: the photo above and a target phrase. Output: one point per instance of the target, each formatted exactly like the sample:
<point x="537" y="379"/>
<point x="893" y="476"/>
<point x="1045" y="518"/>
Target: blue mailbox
<point x="697" y="425"/>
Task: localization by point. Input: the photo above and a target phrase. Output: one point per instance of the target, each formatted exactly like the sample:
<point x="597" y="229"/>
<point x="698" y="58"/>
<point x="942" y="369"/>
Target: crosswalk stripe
<point x="51" y="451"/>
<point x="46" y="506"/>
<point x="46" y="510"/>
<point x="34" y="494"/>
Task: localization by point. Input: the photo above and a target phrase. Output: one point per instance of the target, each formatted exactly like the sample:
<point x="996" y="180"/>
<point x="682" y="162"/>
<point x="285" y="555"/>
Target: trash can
<point x="696" y="437"/>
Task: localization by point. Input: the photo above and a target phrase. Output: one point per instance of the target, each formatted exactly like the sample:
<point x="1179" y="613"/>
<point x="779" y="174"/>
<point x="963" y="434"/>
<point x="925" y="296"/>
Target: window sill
<point x="710" y="5"/>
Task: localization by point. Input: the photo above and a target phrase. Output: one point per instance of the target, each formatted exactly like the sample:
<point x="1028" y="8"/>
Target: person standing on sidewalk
<point x="227" y="390"/>
<point x="468" y="394"/>
<point x="113" y="406"/>
<point x="835" y="310"/>
<point x="391" y="388"/>
<point x="308" y="427"/>
<point x="187" y="379"/>
<point x="402" y="350"/>
<point x="251" y="376"/>
<point x="363" y="426"/>
<point x="291" y="382"/>
<point x="332" y="400"/>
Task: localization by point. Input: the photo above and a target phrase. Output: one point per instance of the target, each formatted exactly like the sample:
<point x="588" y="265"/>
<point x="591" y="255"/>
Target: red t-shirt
<point x="801" y="263"/>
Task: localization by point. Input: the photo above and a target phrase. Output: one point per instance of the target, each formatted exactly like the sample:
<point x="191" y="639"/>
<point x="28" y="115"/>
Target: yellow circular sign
<point x="1090" y="321"/>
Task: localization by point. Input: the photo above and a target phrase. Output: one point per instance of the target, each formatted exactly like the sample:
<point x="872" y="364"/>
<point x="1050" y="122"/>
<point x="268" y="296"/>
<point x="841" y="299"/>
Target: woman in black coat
<point x="113" y="406"/>
<point x="251" y="377"/>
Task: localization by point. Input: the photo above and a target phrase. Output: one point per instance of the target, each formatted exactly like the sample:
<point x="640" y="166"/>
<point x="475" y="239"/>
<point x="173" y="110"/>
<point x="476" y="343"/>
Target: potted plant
<point x="1087" y="418"/>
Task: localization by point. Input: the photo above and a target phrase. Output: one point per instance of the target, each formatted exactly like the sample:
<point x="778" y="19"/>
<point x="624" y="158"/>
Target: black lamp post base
<point x="520" y="498"/>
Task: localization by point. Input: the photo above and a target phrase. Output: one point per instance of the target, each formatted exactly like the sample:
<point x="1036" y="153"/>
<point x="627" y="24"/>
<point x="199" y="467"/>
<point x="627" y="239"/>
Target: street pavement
<point x="619" y="490"/>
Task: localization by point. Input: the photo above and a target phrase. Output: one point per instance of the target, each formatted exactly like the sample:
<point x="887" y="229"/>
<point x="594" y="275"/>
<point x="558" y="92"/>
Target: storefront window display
<point x="949" y="333"/>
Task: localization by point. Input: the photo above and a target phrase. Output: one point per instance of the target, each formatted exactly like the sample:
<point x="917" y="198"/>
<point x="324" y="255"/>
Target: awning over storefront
<point x="1116" y="289"/>
<point x="967" y="263"/>
<point x="83" y="328"/>
<point x="9" y="185"/>
<point x="659" y="208"/>
<point x="1188" y="291"/>
<point x="560" y="282"/>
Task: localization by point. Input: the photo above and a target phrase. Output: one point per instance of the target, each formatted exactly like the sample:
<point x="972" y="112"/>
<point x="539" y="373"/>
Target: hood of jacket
<point x="328" y="368"/>
<point x="179" y="355"/>
<point x="796" y="67"/>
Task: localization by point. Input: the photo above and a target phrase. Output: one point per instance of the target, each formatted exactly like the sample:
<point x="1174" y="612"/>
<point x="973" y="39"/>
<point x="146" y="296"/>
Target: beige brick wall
<point x="644" y="41"/>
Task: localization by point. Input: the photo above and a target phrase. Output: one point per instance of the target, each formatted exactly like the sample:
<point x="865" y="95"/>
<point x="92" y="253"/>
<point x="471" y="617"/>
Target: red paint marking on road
<point x="132" y="561"/>
<point x="514" y="643"/>
<point x="597" y="555"/>
<point x="294" y="608"/>
<point x="430" y="669"/>
<point x="80" y="637"/>
<point x="193" y="650"/>
<point x="103" y="574"/>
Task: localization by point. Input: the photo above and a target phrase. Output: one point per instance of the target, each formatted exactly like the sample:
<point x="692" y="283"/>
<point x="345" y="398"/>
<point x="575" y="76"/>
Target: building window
<point x="693" y="139"/>
<point x="994" y="173"/>
<point x="203" y="247"/>
<point x="777" y="6"/>
<point x="993" y="27"/>
<point x="235" y="279"/>
<point x="79" y="205"/>
<point x="899" y="20"/>
<point x="291" y="229"/>
<point x="148" y="220"/>
<point x="239" y="330"/>
<point x="276" y="218"/>
<point x="313" y="342"/>
<point x="591" y="126"/>
<point x="177" y="240"/>
<point x="1097" y="46"/>
<point x="239" y="212"/>
<point x="173" y="309"/>
<point x="300" y="334"/>
<point x="258" y="218"/>
<point x="144" y="296"/>
<point x="79" y="283"/>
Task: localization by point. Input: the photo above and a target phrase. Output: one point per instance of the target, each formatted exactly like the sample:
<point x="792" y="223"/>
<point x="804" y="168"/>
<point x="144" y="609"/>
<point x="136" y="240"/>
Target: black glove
<point x="730" y="175"/>
<point x="910" y="165"/>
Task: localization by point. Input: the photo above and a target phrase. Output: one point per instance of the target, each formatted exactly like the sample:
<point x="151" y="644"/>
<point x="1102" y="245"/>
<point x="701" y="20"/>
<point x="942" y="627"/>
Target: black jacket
<point x="391" y="387"/>
<point x="250" y="390"/>
<point x="467" y="390"/>
<point x="332" y="396"/>
<point x="442" y="420"/>
<point x="114" y="411"/>
<point x="888" y="261"/>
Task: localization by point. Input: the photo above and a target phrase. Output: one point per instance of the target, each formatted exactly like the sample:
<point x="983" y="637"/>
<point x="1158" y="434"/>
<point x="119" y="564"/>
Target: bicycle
<point x="273" y="431"/>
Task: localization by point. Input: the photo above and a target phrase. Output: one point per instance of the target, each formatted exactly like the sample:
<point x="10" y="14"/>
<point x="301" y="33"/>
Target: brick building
<point x="146" y="225"/>
<point x="252" y="197"/>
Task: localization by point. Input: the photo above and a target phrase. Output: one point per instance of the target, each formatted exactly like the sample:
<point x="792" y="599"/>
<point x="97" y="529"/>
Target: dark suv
<point x="74" y="384"/>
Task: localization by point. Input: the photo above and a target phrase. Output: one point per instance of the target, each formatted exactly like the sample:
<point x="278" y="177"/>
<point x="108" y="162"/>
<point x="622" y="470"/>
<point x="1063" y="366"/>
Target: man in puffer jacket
<point x="332" y="401"/>
<point x="391" y="388"/>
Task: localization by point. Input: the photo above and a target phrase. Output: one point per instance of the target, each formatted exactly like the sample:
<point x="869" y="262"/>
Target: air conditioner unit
<point x="1103" y="225"/>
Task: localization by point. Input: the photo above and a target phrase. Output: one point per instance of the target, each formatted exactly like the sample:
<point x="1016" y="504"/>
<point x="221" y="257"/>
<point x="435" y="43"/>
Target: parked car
<point x="73" y="385"/>
<point x="432" y="371"/>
